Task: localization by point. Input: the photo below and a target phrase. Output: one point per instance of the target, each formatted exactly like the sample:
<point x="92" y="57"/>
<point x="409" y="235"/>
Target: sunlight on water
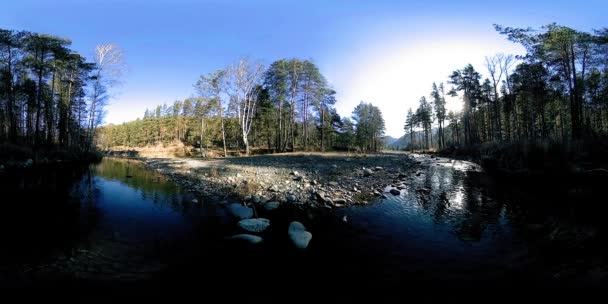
<point x="457" y="200"/>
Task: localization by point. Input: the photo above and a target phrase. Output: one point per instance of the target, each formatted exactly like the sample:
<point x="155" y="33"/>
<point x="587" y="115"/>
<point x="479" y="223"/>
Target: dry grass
<point x="172" y="150"/>
<point x="247" y="187"/>
<point x="213" y="172"/>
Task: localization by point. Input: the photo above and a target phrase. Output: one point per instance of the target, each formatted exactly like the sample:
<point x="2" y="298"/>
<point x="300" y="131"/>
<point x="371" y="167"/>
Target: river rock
<point x="256" y="199"/>
<point x="296" y="173"/>
<point x="271" y="205"/>
<point x="379" y="168"/>
<point x="249" y="238"/>
<point x="291" y="198"/>
<point x="333" y="184"/>
<point x="240" y="211"/>
<point x="254" y="225"/>
<point x="320" y="196"/>
<point x="194" y="201"/>
<point x="395" y="192"/>
<point x="367" y="172"/>
<point x="339" y="201"/>
<point x="298" y="235"/>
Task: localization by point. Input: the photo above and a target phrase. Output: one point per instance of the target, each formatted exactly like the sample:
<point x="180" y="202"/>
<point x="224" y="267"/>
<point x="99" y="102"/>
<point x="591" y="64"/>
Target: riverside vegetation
<point x="542" y="114"/>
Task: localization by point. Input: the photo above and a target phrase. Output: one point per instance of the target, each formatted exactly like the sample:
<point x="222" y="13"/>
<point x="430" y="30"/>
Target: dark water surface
<point x="452" y="225"/>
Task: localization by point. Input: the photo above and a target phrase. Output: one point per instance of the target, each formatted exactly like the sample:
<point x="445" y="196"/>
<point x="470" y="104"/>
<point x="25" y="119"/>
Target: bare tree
<point x="493" y="64"/>
<point x="505" y="65"/>
<point x="242" y="85"/>
<point x="109" y="66"/>
<point x="211" y="86"/>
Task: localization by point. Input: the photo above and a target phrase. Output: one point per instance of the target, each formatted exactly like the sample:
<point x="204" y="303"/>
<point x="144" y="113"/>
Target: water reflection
<point x="457" y="194"/>
<point x="111" y="220"/>
<point x="448" y="223"/>
<point x="41" y="213"/>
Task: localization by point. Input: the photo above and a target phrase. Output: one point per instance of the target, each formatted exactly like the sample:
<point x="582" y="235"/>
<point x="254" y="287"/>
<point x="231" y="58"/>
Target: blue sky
<point x="384" y="52"/>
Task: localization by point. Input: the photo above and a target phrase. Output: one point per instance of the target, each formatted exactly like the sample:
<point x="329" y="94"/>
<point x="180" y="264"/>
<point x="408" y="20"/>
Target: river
<point x="117" y="222"/>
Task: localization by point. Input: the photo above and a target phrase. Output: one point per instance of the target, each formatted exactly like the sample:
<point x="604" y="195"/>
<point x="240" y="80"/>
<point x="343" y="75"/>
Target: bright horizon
<point x="387" y="52"/>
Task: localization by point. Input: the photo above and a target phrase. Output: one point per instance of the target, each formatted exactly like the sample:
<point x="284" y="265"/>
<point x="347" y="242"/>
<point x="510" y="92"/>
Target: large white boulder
<point x="298" y="235"/>
<point x="254" y="225"/>
<point x="240" y="211"/>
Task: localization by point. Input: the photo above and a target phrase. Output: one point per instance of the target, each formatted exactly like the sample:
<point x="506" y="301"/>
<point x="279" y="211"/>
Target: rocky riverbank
<point x="310" y="180"/>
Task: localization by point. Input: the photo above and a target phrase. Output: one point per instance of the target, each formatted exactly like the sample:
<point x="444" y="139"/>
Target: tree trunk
<point x="280" y="133"/>
<point x="38" y="102"/>
<point x="246" y="143"/>
<point x="322" y="129"/>
<point x="49" y="110"/>
<point x="223" y="131"/>
<point x="12" y="133"/>
<point x="202" y="130"/>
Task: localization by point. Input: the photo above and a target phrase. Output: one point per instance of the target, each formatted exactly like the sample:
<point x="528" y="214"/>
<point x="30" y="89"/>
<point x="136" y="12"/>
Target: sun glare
<point x="395" y="76"/>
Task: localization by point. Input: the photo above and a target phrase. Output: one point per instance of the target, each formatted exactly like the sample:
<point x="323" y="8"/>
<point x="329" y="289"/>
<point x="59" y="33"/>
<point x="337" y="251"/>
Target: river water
<point x="117" y="222"/>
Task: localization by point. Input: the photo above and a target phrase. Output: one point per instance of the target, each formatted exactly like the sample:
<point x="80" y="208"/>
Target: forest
<point x="166" y="144"/>
<point x="553" y="99"/>
<point x="52" y="98"/>
<point x="287" y="107"/>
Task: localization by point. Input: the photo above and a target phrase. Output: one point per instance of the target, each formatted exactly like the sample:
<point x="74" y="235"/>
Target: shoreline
<point x="310" y="180"/>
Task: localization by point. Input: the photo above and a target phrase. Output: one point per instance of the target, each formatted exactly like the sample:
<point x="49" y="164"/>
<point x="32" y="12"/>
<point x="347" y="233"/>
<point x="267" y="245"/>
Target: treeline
<point x="288" y="106"/>
<point x="51" y="98"/>
<point x="557" y="92"/>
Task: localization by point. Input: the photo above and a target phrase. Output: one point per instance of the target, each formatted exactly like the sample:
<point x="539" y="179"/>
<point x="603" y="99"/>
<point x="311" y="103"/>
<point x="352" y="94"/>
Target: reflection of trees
<point x="42" y="212"/>
<point x="463" y="199"/>
<point x="143" y="179"/>
<point x="160" y="192"/>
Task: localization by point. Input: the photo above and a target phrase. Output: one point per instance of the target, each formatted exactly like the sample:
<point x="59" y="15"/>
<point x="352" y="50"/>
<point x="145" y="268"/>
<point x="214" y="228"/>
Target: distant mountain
<point x="389" y="140"/>
<point x="397" y="143"/>
<point x="403" y="142"/>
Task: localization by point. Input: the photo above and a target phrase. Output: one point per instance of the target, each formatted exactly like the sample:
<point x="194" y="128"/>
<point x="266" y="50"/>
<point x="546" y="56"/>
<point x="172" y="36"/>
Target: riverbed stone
<point x="240" y="211"/>
<point x="298" y="235"/>
<point x="249" y="238"/>
<point x="395" y="192"/>
<point x="291" y="198"/>
<point x="254" y="225"/>
<point x="271" y="205"/>
<point x="320" y="195"/>
<point x="339" y="201"/>
<point x="367" y="172"/>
